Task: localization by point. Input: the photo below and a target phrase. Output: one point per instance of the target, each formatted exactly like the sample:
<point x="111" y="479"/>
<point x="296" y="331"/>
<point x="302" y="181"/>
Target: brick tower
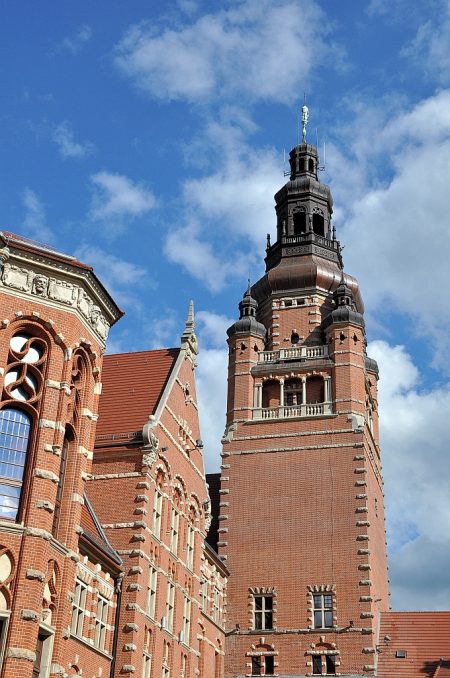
<point x="301" y="507"/>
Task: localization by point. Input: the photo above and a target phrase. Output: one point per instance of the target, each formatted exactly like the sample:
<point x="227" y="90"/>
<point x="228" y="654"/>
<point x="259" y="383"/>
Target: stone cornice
<point x="61" y="284"/>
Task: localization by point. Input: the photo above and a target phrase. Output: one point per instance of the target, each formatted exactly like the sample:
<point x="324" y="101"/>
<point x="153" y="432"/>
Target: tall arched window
<point x="21" y="395"/>
<point x="15" y="427"/>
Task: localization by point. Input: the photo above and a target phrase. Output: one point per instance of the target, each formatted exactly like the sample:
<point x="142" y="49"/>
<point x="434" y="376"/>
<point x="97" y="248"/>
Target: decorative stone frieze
<point x="65" y="285"/>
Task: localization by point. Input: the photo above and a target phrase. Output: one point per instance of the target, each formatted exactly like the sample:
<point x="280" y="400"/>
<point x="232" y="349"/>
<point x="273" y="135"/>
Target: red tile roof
<point x="425" y="636"/>
<point x="132" y="387"/>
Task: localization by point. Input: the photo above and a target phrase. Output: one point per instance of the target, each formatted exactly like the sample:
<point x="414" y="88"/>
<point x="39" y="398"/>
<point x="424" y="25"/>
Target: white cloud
<point x="116" y="197"/>
<point x="262" y="49"/>
<point x="120" y="277"/>
<point x="414" y="440"/>
<point x="64" y="138"/>
<point x="75" y="43"/>
<point x="220" y="197"/>
<point x="186" y="246"/>
<point x="34" y="222"/>
<point x="430" y="48"/>
<point x="390" y="190"/>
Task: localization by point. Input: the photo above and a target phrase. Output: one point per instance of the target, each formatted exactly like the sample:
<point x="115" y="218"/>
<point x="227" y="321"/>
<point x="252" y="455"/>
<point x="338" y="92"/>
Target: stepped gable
<point x="132" y="387"/>
<point x="94" y="534"/>
<point x="423" y="636"/>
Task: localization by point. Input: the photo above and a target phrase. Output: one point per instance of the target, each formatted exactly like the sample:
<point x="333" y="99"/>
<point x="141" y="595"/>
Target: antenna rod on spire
<point x="305" y="115"/>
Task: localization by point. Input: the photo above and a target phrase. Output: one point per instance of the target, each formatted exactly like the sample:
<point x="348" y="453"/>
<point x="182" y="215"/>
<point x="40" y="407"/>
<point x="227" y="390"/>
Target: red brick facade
<point x="301" y="512"/>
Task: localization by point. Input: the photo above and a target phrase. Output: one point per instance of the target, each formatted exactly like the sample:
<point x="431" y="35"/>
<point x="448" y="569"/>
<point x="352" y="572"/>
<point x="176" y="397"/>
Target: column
<point x="257" y="395"/>
<point x="281" y="393"/>
<point x="304" y="390"/>
<point x="327" y="389"/>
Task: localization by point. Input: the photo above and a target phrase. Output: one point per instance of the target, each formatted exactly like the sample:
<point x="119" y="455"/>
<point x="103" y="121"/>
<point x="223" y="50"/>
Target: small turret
<point x="247" y="323"/>
<point x="345" y="311"/>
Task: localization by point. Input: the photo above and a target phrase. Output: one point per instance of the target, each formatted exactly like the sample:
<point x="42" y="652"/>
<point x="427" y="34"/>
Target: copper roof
<point x="132" y="387"/>
<point x="423" y="636"/>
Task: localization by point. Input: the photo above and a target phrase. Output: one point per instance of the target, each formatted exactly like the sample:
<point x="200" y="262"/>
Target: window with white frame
<point x="79" y="608"/>
<point x="147" y="656"/>
<point x="151" y="591"/>
<point x="157" y="512"/>
<point x="323" y="610"/>
<point x="263" y="612"/>
<point x="204" y="590"/>
<point x="216" y="605"/>
<point x="146" y="665"/>
<point x="165" y="663"/>
<point x="174" y="530"/>
<point x="101" y="623"/>
<point x="190" y="547"/>
<point x="186" y="624"/>
<point x="170" y="604"/>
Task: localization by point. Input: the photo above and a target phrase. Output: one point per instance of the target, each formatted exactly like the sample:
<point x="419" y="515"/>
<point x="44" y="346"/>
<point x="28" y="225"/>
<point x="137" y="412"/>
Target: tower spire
<point x="305" y="117"/>
<point x="188" y="337"/>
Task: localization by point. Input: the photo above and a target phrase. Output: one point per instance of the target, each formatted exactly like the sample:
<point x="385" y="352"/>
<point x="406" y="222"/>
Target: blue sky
<point x="148" y="139"/>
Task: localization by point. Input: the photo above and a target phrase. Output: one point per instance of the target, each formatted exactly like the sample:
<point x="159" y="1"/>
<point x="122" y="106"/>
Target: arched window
<point x="271" y="393"/>
<point x="318" y="224"/>
<point x="15" y="427"/>
<point x="299" y="222"/>
<point x="311" y="165"/>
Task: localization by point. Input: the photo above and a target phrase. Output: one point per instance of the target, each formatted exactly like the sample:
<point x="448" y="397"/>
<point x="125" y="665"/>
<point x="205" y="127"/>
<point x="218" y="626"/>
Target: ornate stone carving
<point x="33" y="282"/>
<point x="150" y="449"/>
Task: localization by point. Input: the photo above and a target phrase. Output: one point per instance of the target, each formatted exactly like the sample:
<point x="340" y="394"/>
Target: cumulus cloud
<point x="211" y="380"/>
<point x="186" y="246"/>
<point x="394" y="212"/>
<point x="417" y="475"/>
<point x="74" y="43"/>
<point x="68" y="147"/>
<point x="115" y="198"/>
<point x="119" y="276"/>
<point x="35" y="222"/>
<point x="262" y="49"/>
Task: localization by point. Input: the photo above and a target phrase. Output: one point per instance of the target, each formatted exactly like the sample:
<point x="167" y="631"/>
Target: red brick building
<point x="149" y="490"/>
<point x="129" y="587"/>
<point x="301" y="507"/>
<point x="104" y="565"/>
<point x="58" y="572"/>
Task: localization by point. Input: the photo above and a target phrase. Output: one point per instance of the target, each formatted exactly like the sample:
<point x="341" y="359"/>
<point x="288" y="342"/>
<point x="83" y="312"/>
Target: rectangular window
<point x="175" y="527"/>
<point x="317" y="665"/>
<point x="170" y="603"/>
<point x="204" y="593"/>
<point x="216" y="605"/>
<point x="323" y="611"/>
<point x="330" y="661"/>
<point x="269" y="665"/>
<point x="101" y="622"/>
<point x="151" y="591"/>
<point x="190" y="547"/>
<point x="157" y="511"/>
<point x="263" y="665"/>
<point x="263" y="612"/>
<point x="146" y="665"/>
<point x="256" y="666"/>
<point x="186" y="625"/>
<point x="79" y="608"/>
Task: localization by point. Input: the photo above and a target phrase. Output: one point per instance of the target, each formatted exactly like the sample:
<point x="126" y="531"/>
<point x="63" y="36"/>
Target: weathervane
<point x="305" y="114"/>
